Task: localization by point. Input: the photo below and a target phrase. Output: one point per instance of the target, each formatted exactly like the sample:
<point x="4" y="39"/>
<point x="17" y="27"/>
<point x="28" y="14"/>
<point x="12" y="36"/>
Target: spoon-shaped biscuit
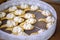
<point x="2" y="14"/>
<point x="19" y="12"/>
<point x="17" y="30"/>
<point x="49" y="19"/>
<point x="28" y="15"/>
<point x="26" y="26"/>
<point x="18" y="19"/>
<point x="12" y="9"/>
<point x="31" y="20"/>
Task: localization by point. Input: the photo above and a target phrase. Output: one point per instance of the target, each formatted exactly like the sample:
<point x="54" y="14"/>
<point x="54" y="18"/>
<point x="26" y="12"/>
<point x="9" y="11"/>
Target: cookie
<point x="19" y="12"/>
<point x="11" y="23"/>
<point x="10" y="16"/>
<point x="31" y="20"/>
<point x="2" y="14"/>
<point x="18" y="19"/>
<point x="13" y="8"/>
<point x="17" y="30"/>
<point x="34" y="7"/>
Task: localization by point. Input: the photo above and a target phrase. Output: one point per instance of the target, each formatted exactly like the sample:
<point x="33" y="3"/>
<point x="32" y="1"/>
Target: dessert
<point x="10" y="16"/>
<point x="2" y="14"/>
<point x="29" y="15"/>
<point x="31" y="21"/>
<point x="33" y="8"/>
<point x="11" y="23"/>
<point x="24" y="6"/>
<point x="46" y="13"/>
<point x="26" y="20"/>
<point x="17" y="30"/>
<point x="18" y="19"/>
<point x="27" y="26"/>
<point x="19" y="12"/>
<point x="13" y="8"/>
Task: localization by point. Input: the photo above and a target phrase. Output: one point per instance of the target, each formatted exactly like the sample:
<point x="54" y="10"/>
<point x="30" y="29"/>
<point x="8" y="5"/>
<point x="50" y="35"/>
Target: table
<point x="56" y="5"/>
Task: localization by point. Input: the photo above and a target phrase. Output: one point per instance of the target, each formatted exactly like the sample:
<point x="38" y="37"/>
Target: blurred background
<point x="56" y="5"/>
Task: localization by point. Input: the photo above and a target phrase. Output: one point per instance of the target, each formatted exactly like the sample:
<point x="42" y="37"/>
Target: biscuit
<point x="17" y="30"/>
<point x="18" y="19"/>
<point x="10" y="16"/>
<point x="31" y="20"/>
<point x="11" y="23"/>
<point x="13" y="8"/>
<point x="27" y="26"/>
<point x="46" y="13"/>
<point x="2" y="14"/>
<point x="19" y="12"/>
<point x="34" y="7"/>
<point x="29" y="15"/>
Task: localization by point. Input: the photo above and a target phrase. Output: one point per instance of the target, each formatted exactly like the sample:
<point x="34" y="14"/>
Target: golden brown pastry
<point x="17" y="30"/>
<point x="31" y="20"/>
<point x="18" y="19"/>
<point x="2" y="14"/>
<point x="19" y="12"/>
<point x="13" y="8"/>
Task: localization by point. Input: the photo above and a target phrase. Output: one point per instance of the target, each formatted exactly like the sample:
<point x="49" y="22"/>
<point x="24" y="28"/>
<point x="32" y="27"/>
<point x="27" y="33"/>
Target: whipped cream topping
<point x="29" y="15"/>
<point x="10" y="23"/>
<point x="17" y="29"/>
<point x="10" y="16"/>
<point x="13" y="8"/>
<point x="46" y="13"/>
<point x="18" y="19"/>
<point x="31" y="20"/>
<point x="19" y="12"/>
<point x="33" y="7"/>
<point x="24" y="6"/>
<point x="50" y="19"/>
<point x="27" y="26"/>
<point x="2" y="14"/>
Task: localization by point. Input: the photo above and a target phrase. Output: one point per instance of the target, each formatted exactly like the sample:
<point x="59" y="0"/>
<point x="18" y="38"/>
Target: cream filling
<point x="29" y="15"/>
<point x="2" y="14"/>
<point x="10" y="16"/>
<point x="46" y="13"/>
<point x="24" y="6"/>
<point x="31" y="20"/>
<point x="33" y="8"/>
<point x="13" y="8"/>
<point x="50" y="19"/>
<point x="17" y="29"/>
<point x="27" y="26"/>
<point x="10" y="23"/>
<point x="18" y="19"/>
<point x="19" y="12"/>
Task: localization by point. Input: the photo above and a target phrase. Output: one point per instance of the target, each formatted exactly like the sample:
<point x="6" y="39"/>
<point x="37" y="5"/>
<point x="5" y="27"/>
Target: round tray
<point x="42" y="36"/>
